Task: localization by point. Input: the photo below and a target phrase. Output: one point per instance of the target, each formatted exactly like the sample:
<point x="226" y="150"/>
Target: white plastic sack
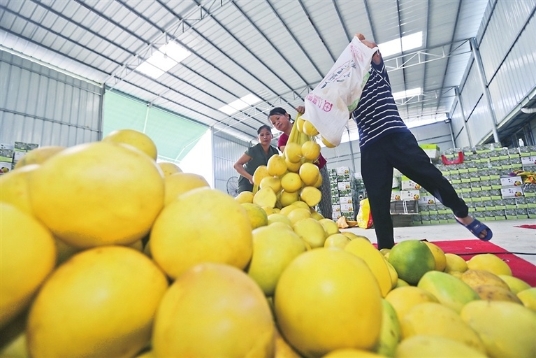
<point x="329" y="105"/>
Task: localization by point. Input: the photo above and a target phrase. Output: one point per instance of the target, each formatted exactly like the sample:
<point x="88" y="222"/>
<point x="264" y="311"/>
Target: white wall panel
<point x="226" y="151"/>
<point x="46" y="107"/>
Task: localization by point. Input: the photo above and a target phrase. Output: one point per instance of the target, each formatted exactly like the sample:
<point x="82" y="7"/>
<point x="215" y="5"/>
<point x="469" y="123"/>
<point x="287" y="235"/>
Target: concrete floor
<point x="506" y="234"/>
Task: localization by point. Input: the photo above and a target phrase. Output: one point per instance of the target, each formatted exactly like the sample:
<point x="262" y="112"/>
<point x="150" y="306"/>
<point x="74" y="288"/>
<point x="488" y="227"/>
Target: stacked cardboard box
<point x="486" y="182"/>
<point x="342" y="193"/>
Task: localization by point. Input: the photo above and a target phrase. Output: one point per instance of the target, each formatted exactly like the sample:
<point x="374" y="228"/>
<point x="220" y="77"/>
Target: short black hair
<point x="277" y="110"/>
<point x="262" y="127"/>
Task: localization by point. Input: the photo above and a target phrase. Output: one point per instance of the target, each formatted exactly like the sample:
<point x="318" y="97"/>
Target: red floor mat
<point x="468" y="248"/>
<point x="527" y="226"/>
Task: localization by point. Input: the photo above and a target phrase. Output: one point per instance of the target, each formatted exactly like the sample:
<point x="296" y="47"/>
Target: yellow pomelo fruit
<point x="293" y="167"/>
<point x="506" y="328"/>
<point x="203" y="225"/>
<point x="319" y="310"/>
<point x="411" y="259"/>
<point x="281" y="225"/>
<point x="375" y="261"/>
<point x="515" y="284"/>
<point x="434" y="346"/>
<point x="406" y="297"/>
<point x="278" y="217"/>
<point x="276" y="165"/>
<point x="169" y="168"/>
<point x="489" y="262"/>
<point x="330" y="226"/>
<point x="14" y="188"/>
<point x="180" y="183"/>
<point x="273" y="249"/>
<point x="288" y="208"/>
<point x="260" y="173"/>
<point x="528" y="297"/>
<point x="27" y="256"/>
<point x="434" y="319"/>
<point x="213" y="310"/>
<point x="310" y="150"/>
<point x="268" y="210"/>
<point x="301" y="204"/>
<point x="439" y="256"/>
<point x="476" y="278"/>
<point x="100" y="303"/>
<point x="401" y="283"/>
<point x="293" y="152"/>
<point x="310" y="231"/>
<point x="257" y="216"/>
<point x="309" y="173"/>
<point x="309" y="128"/>
<point x="327" y="143"/>
<point x="134" y="138"/>
<point x="454" y="263"/>
<point x="245" y="197"/>
<point x="287" y="198"/>
<point x="299" y="123"/>
<point x="318" y="182"/>
<point x="297" y="214"/>
<point x="317" y="216"/>
<point x="291" y="182"/>
<point x="310" y="195"/>
<point x="352" y="353"/>
<point x="336" y="240"/>
<point x="496" y="293"/>
<point x="393" y="274"/>
<point x="273" y="183"/>
<point x="353" y="236"/>
<point x="97" y="194"/>
<point x="265" y="197"/>
<point x="39" y="155"/>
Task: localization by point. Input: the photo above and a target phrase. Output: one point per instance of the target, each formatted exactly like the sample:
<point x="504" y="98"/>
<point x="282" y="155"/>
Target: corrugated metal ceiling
<point x="276" y="49"/>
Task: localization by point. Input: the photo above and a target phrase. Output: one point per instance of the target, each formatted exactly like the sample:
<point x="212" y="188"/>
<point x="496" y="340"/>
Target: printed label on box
<point x="511" y="181"/>
<point x="343" y="185"/>
<point x="512" y="192"/>
<point x="410" y="194"/>
<point x="347" y="208"/>
<point x="345" y="199"/>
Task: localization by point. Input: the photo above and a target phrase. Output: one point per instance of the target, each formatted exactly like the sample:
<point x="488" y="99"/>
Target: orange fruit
<point x="319" y="310"/>
<point x="411" y="259"/>
<point x="213" y="310"/>
<point x="100" y="303"/>
<point x="27" y="256"/>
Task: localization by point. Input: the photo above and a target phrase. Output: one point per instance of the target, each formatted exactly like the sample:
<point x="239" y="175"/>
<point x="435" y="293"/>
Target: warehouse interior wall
<point x="506" y="47"/>
<point x="42" y="106"/>
<point x="226" y="150"/>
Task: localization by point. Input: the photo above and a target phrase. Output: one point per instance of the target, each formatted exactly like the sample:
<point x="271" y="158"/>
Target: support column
<point x="465" y="126"/>
<point x="351" y="148"/>
<point x="487" y="95"/>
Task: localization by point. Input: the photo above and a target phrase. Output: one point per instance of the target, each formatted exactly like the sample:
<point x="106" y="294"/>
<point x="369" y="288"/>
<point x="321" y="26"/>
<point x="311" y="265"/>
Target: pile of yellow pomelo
<point x="107" y="253"/>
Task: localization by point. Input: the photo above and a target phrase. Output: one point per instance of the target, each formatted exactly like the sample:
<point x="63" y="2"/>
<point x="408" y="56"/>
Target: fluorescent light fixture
<point x="404" y="43"/>
<point x="163" y="60"/>
<point x="409" y="93"/>
<point x="240" y="104"/>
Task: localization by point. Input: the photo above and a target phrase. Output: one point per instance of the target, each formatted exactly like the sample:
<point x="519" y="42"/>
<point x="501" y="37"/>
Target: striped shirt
<point x="376" y="114"/>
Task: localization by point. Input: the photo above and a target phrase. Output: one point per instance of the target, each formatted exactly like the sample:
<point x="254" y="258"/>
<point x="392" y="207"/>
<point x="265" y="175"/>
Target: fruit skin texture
<point x="496" y="293"/>
<point x="319" y="310"/>
<point x="436" y="319"/>
<point x="27" y="256"/>
<point x="475" y="278"/>
<point x="273" y="249"/>
<point x="213" y="310"/>
<point x="97" y="194"/>
<point x="528" y="297"/>
<point x="311" y="231"/>
<point x="14" y="188"/>
<point x="515" y="284"/>
<point x="100" y="303"/>
<point x="455" y="263"/>
<point x="180" y="183"/>
<point x="403" y="299"/>
<point x="411" y="259"/>
<point x="439" y="256"/>
<point x="202" y="225"/>
<point x="391" y="331"/>
<point x="507" y="329"/>
<point x="425" y="346"/>
<point x="489" y="262"/>
<point x="449" y="290"/>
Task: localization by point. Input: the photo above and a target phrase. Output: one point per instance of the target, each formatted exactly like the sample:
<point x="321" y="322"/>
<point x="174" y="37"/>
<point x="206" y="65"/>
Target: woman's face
<point x="280" y="122"/>
<point x="265" y="136"/>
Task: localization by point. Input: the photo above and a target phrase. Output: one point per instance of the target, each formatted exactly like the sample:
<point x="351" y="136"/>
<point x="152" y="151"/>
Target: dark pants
<point x="401" y="151"/>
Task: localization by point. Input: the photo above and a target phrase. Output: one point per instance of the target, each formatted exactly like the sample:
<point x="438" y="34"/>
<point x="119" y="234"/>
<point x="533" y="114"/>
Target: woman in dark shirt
<point x="254" y="157"/>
